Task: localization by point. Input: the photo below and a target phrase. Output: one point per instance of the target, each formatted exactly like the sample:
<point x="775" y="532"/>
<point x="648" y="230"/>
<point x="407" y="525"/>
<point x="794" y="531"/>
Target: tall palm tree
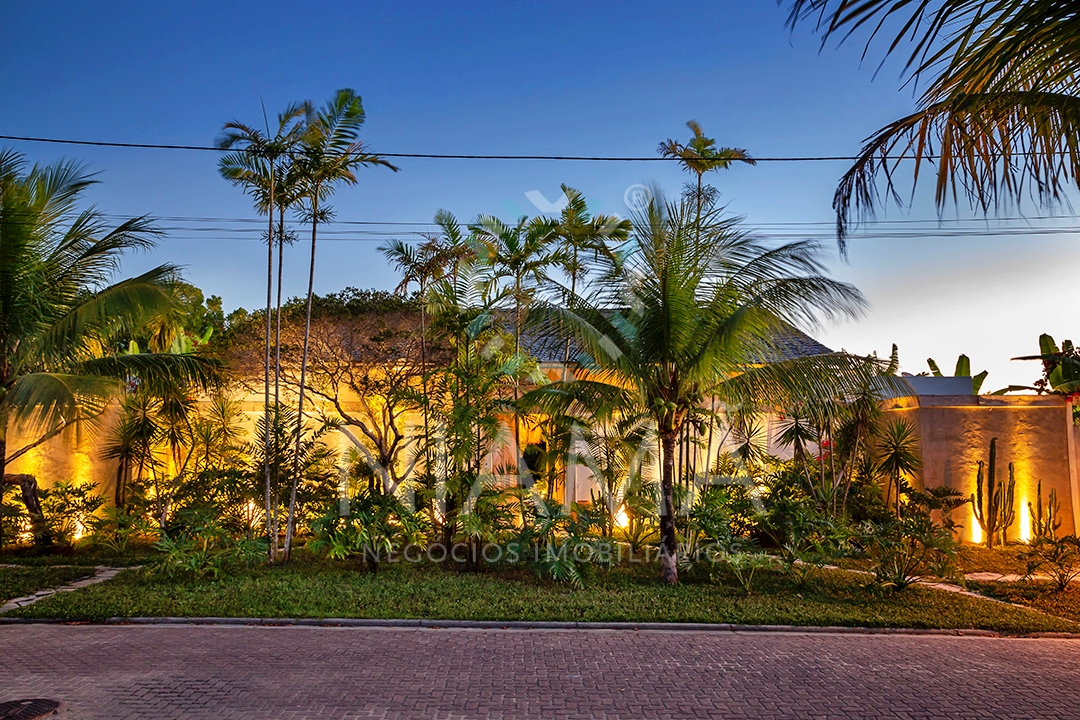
<point x="999" y="116"/>
<point x="421" y="264"/>
<point x="329" y="154"/>
<point x="521" y="255"/>
<point x="684" y="315"/>
<point x="60" y="318"/>
<point x="699" y="156"/>
<point x="579" y="234"/>
<point x="262" y="165"/>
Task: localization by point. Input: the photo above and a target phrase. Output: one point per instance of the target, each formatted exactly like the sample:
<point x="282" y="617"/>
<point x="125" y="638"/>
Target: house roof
<point x="788" y="344"/>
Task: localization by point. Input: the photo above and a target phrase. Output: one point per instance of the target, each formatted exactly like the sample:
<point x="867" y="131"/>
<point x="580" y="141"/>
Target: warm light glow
<point x="622" y="519"/>
<point x="78" y="532"/>
<point x="976" y="530"/>
<point x="1025" y="520"/>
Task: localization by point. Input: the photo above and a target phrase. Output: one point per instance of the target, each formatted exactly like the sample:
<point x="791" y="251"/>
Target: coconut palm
<point x="699" y="156"/>
<point x="60" y="318"/>
<point x="999" y="115"/>
<point x="264" y="167"/>
<point x="328" y="155"/>
<point x="684" y="315"/>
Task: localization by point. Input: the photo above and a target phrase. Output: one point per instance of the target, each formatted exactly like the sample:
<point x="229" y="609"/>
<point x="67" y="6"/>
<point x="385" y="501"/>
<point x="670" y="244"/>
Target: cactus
<point x="994" y="511"/>
<point x="1045" y="525"/>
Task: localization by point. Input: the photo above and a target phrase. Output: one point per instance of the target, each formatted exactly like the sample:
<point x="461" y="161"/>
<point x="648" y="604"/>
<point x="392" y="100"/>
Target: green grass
<point x="317" y="589"/>
<point x="86" y="556"/>
<point x="1037" y="594"/>
<point x="23" y="581"/>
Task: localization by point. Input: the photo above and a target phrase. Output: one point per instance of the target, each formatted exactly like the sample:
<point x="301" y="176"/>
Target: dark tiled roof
<point x="792" y="343"/>
<point x="788" y="344"/>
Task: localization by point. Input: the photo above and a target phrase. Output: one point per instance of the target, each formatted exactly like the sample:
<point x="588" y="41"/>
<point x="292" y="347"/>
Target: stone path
<point x="101" y="574"/>
<point x="196" y="672"/>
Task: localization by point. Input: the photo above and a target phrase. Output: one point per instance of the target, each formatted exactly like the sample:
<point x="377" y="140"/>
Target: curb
<point x="535" y="625"/>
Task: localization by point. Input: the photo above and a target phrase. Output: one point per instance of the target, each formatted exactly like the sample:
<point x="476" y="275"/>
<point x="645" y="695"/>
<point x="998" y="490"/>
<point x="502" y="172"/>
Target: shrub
<point x="1057" y="557"/>
<point x="375" y="526"/>
<point x="69" y="510"/>
<point x="902" y="550"/>
<point x="202" y="547"/>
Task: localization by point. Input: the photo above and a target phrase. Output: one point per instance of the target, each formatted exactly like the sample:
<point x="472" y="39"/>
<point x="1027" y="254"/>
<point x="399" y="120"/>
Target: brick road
<point x="296" y="672"/>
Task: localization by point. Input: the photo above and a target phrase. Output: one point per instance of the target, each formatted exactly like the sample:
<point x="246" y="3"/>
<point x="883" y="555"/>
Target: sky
<point x="568" y="78"/>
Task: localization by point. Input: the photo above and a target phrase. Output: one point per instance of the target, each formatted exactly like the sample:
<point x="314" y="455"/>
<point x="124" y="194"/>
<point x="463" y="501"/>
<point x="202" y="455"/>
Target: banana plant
<point x="963" y="369"/>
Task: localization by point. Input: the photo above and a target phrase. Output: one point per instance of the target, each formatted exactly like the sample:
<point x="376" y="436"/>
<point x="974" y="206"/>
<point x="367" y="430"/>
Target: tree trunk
<point x="295" y="479"/>
<point x="28" y="487"/>
<point x="669" y="548"/>
<point x="3" y="465"/>
<point x="266" y="367"/>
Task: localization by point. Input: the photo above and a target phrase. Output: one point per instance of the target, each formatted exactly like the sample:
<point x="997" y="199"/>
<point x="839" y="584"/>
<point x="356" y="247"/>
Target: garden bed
<point x="314" y="589"/>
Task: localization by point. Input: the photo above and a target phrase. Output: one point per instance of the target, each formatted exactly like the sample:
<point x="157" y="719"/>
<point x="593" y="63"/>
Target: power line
<point x="421" y="156"/>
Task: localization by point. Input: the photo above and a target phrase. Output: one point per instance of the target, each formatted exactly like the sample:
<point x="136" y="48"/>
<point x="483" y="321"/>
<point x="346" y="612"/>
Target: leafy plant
<point x="374" y="526"/>
<point x="204" y="548"/>
<point x="744" y="565"/>
<point x="904" y="549"/>
<point x="69" y="510"/>
<point x="1057" y="557"/>
<point x="117" y="527"/>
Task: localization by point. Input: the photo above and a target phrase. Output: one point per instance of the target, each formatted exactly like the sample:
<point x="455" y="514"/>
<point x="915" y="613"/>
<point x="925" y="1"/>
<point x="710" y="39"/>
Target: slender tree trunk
<point x="3" y="466"/>
<point x="424" y="378"/>
<point x="295" y="479"/>
<point x="277" y="310"/>
<point x="266" y="367"/>
<point x="669" y="547"/>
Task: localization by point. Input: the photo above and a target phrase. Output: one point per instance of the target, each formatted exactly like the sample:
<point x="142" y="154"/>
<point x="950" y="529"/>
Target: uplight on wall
<point x="1025" y="520"/>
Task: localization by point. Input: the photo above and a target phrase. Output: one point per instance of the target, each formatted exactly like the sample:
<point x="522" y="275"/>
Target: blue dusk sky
<point x="573" y="78"/>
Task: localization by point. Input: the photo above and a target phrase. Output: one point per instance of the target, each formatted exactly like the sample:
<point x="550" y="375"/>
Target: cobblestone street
<point x="297" y="672"/>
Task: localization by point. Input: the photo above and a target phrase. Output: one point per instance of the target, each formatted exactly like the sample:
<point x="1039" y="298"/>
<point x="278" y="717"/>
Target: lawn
<point x="321" y="589"/>
<point x="1036" y="594"/>
<point x="23" y="581"/>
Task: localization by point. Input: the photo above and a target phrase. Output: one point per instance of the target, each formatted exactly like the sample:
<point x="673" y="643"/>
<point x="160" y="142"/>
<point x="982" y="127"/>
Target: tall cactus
<point x="994" y="511"/>
<point x="1045" y="524"/>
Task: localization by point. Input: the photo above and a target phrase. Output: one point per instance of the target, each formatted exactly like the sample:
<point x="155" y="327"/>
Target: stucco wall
<point x="72" y="456"/>
<point x="1034" y="432"/>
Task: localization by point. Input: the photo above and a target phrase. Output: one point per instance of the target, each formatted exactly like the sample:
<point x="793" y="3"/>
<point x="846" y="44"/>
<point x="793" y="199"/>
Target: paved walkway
<point x="101" y="574"/>
<point x="197" y="672"/>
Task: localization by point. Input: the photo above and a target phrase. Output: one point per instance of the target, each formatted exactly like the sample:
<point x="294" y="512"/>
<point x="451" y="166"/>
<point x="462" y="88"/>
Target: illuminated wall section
<point x="1034" y="432"/>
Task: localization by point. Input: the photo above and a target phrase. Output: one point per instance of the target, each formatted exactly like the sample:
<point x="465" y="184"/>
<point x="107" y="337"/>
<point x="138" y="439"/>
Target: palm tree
<point x="60" y="318"/>
<point x="421" y="264"/>
<point x="699" y="156"/>
<point x="580" y="233"/>
<point x="898" y="456"/>
<point x="683" y="315"/>
<point x="329" y="153"/>
<point x="262" y="167"/>
<point x="521" y="255"/>
<point x="999" y="115"/>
